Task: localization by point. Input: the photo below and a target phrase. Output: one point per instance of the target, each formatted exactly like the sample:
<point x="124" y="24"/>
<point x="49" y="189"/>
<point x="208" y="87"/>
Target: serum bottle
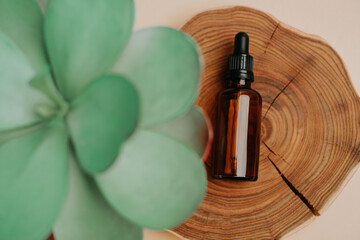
<point x="237" y="133"/>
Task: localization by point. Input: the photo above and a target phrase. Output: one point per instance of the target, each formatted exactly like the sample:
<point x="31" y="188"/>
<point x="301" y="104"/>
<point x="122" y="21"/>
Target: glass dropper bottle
<point x="237" y="130"/>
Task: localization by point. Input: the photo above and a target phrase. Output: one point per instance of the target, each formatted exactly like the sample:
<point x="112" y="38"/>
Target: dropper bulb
<point x="241" y="43"/>
<point x="240" y="64"/>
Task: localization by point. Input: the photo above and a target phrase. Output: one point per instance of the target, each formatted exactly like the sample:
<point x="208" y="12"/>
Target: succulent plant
<point x="98" y="133"/>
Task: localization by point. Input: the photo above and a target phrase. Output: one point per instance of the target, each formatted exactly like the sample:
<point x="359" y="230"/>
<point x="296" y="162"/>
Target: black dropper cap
<point x="240" y="64"/>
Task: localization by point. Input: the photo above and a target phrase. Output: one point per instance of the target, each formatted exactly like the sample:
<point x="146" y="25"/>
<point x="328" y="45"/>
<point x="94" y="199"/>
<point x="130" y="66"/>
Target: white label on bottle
<point x="242" y="135"/>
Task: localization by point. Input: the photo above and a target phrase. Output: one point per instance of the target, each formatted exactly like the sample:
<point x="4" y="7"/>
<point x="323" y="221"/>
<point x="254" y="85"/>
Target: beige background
<point x="338" y="24"/>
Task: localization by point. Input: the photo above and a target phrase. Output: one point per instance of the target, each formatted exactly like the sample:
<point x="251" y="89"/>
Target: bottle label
<point x="242" y="135"/>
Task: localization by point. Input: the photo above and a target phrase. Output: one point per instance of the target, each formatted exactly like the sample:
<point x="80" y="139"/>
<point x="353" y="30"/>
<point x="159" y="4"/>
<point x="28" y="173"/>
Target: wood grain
<point x="310" y="127"/>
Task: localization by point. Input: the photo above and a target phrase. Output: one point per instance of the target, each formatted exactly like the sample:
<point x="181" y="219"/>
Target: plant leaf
<point x="18" y="100"/>
<point x="100" y="119"/>
<point x="87" y="216"/>
<point x="157" y="182"/>
<point x="22" y="22"/>
<point x="33" y="182"/>
<point x="45" y="84"/>
<point x="8" y="135"/>
<point x="164" y="65"/>
<point x="84" y="38"/>
<point x="42" y="4"/>
<point x="193" y="129"/>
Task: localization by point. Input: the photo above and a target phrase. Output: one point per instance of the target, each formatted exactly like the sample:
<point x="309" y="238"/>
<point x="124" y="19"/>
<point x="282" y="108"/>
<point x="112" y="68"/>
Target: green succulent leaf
<point x="193" y="129"/>
<point x="18" y="100"/>
<point x="8" y="135"/>
<point x="164" y="65"/>
<point x="33" y="182"/>
<point x="87" y="216"/>
<point x="84" y="38"/>
<point x="44" y="83"/>
<point x="22" y="22"/>
<point x="42" y="4"/>
<point x="100" y="119"/>
<point x="156" y="182"/>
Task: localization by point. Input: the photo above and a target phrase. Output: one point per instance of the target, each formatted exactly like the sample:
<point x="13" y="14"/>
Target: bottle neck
<point x="240" y="83"/>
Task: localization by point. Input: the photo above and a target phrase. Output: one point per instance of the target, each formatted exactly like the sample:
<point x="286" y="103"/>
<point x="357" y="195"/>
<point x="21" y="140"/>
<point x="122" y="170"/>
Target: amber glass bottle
<point x="237" y="130"/>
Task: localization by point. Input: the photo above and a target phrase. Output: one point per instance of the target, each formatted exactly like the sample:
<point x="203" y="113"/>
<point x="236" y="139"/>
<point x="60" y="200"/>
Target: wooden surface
<point x="310" y="129"/>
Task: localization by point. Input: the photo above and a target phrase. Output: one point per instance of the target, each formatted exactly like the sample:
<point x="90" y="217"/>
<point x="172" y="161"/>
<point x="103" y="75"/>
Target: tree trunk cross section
<point x="310" y="134"/>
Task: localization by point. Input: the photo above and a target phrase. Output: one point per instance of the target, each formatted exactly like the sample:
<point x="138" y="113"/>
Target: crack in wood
<point x="272" y="35"/>
<point x="282" y="90"/>
<point x="314" y="211"/>
<point x="357" y="152"/>
<point x="273" y="152"/>
<point x="291" y="80"/>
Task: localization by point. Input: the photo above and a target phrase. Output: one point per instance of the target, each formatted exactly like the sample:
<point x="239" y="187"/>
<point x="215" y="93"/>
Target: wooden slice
<point x="310" y="127"/>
